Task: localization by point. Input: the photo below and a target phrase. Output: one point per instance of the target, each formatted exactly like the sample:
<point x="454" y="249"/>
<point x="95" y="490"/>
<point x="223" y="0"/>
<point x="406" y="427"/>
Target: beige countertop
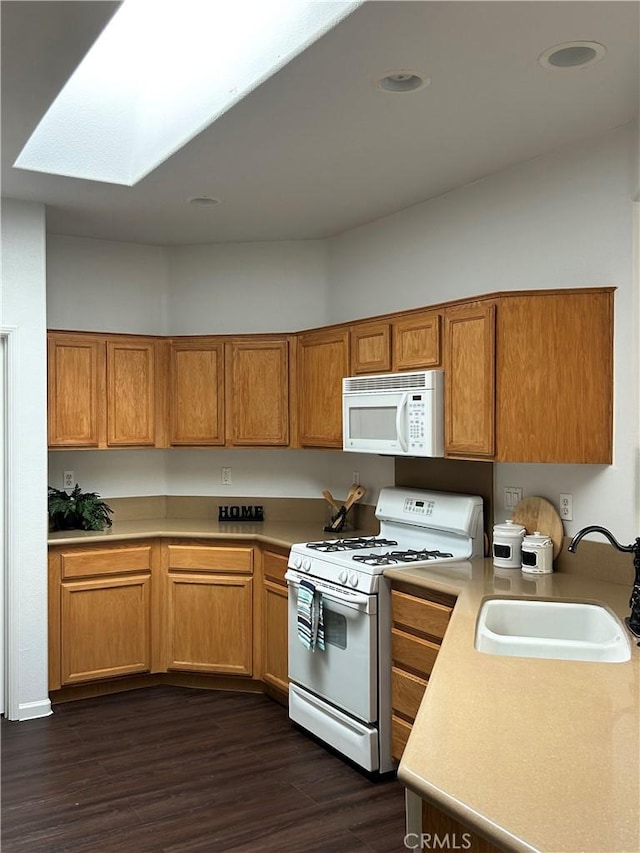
<point x="536" y="755"/>
<point x="279" y="533"/>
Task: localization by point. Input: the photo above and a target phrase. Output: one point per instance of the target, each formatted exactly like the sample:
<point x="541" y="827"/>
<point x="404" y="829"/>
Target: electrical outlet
<point x="512" y="496"/>
<point x="68" y="480"/>
<point x="356" y="478"/>
<point x="225" y="476"/>
<point x="566" y="507"/>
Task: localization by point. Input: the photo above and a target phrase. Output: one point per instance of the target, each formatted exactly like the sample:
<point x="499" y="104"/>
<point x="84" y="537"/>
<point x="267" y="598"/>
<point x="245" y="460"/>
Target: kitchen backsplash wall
<point x="257" y="473"/>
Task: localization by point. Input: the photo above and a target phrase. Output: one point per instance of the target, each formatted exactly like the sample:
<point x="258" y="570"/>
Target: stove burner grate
<point x="356" y="543"/>
<point x="392" y="557"/>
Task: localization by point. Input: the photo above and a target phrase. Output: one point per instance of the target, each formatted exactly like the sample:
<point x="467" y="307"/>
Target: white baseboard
<point x="34" y="710"/>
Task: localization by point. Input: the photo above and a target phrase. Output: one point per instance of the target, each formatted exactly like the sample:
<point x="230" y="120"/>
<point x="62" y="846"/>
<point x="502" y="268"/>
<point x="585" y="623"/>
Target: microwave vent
<point x="387" y="382"/>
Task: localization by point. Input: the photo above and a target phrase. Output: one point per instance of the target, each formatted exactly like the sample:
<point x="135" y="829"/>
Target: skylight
<point x="161" y="72"/>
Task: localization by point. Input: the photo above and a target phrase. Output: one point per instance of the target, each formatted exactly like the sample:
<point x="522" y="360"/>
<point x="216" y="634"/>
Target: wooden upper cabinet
<point x="130" y="392"/>
<point x="76" y="371"/>
<point x="258" y="392"/>
<point x="370" y="348"/>
<point x="196" y="395"/>
<point x="416" y="341"/>
<point x="323" y="361"/>
<point x="555" y="377"/>
<point x="469" y="389"/>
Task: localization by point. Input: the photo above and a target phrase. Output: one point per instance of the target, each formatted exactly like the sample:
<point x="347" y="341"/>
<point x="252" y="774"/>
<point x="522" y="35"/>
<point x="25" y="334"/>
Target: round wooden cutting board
<point x="538" y="514"/>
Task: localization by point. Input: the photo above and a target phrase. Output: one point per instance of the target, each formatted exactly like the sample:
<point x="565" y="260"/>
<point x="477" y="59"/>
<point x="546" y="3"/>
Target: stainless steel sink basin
<point x="563" y="630"/>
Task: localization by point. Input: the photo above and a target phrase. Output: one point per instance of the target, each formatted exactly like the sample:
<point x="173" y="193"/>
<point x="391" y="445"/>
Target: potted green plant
<point x="77" y="510"/>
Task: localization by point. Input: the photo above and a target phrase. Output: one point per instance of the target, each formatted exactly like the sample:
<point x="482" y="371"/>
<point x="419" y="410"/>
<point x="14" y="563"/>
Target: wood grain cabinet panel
<point x="210" y="623"/>
<point x="555" y="377"/>
<point x="103" y="612"/>
<point x="419" y="623"/>
<point x="275" y="640"/>
<point x="196" y="396"/>
<point x="323" y="362"/>
<point x="209" y="558"/>
<point x="105" y="628"/>
<point x="130" y="393"/>
<point x="76" y="370"/>
<point x="370" y="348"/>
<point x="469" y="390"/>
<point x="416" y="341"/>
<point x="258" y="392"/>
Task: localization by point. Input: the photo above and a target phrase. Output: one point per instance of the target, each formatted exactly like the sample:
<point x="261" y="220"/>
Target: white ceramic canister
<point x="507" y="544"/>
<point x="537" y="554"/>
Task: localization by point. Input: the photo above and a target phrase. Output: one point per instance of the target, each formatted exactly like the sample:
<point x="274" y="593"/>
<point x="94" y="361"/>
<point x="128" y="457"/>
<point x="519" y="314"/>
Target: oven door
<point x="345" y="673"/>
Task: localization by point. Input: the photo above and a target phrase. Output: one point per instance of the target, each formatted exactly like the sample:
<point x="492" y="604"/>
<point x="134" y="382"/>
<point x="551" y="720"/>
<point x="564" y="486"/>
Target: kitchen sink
<point x="563" y="630"/>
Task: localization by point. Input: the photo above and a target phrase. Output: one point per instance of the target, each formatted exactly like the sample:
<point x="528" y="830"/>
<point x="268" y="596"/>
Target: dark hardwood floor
<point x="171" y="770"/>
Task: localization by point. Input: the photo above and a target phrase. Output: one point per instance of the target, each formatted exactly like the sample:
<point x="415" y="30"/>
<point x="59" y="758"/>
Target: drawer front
<point x="400" y="731"/>
<point x="107" y="561"/>
<point x="209" y="558"/>
<point x="274" y="567"/>
<point x="413" y="653"/>
<point x="407" y="691"/>
<point x="420" y="615"/>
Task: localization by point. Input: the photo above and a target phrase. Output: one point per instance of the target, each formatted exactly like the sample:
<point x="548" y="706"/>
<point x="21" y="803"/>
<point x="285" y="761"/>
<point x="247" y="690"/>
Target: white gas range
<point x="341" y="693"/>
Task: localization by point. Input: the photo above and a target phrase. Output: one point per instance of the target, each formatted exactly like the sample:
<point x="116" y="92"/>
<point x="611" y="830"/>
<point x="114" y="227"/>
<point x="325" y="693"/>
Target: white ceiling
<point x="317" y="149"/>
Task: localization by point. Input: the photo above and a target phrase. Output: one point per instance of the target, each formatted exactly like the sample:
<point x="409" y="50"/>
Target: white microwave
<point x="394" y="414"/>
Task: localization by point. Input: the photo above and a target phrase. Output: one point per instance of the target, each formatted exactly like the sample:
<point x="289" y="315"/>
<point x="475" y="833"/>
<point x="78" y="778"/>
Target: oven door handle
<point x="351" y="600"/>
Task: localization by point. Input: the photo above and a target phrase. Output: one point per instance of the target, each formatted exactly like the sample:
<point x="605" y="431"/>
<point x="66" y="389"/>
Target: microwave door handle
<point x="399" y="412"/>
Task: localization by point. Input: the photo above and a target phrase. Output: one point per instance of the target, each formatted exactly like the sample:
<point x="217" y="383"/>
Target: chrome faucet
<point x="632" y="621"/>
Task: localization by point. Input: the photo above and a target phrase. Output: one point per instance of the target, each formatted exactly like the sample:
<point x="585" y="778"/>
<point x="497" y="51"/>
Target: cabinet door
<point x="275" y="639"/>
<point x="416" y="341"/>
<point x="555" y="378"/>
<point x="258" y="393"/>
<point x="210" y="623"/>
<point x="469" y="389"/>
<point x="105" y="628"/>
<point x="323" y="361"/>
<point x="75" y="390"/>
<point x="130" y="393"/>
<point x="196" y="397"/>
<point x="370" y="348"/>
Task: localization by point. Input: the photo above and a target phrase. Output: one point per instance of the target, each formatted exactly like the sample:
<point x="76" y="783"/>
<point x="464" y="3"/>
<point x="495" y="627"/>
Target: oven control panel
<point x="419" y="507"/>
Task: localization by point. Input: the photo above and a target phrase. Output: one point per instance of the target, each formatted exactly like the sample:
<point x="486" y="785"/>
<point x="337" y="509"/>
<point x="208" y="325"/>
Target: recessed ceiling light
<point x="572" y="54"/>
<point x="204" y="201"/>
<point x="402" y="81"/>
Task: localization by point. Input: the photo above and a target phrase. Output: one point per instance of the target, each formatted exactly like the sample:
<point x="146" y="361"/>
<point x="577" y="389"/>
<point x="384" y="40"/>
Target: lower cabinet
<point x="162" y="606"/>
<point x="100" y="613"/>
<point x="209" y="609"/>
<point x="420" y="619"/>
<point x="274" y="620"/>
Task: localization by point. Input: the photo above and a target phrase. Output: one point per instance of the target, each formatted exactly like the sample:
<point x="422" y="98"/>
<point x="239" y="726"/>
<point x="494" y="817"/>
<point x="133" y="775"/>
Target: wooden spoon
<point x="326" y="494"/>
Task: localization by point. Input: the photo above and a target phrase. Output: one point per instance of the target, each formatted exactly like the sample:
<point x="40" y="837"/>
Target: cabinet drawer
<point x="274" y="566"/>
<point x="413" y="653"/>
<point x="110" y="561"/>
<point x="210" y="558"/>
<point x="400" y="731"/>
<point x="420" y="615"/>
<point x="407" y="691"/>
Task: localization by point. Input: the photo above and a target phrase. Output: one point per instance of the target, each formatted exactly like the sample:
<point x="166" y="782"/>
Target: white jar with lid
<point x="537" y="554"/>
<point x="507" y="544"/>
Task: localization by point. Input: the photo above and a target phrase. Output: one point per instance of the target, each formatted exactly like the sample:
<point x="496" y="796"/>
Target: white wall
<point x="22" y="306"/>
<point x="101" y="286"/>
<point x="247" y="287"/>
<point x="563" y="220"/>
<point x="255" y="473"/>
